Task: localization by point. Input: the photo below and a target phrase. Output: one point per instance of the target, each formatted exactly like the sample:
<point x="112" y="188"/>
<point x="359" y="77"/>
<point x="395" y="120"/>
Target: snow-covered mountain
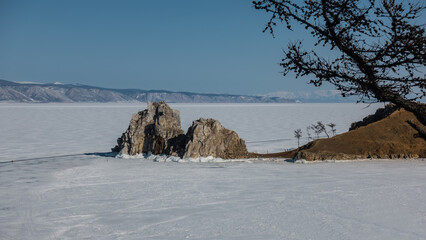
<point x="56" y="92"/>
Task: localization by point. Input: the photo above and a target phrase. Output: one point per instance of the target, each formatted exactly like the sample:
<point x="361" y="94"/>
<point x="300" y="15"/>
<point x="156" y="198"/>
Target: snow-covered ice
<point x="90" y="197"/>
<point x="59" y="187"/>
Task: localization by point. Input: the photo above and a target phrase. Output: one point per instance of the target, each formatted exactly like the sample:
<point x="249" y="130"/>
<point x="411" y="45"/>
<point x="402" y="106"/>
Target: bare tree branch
<point x="382" y="47"/>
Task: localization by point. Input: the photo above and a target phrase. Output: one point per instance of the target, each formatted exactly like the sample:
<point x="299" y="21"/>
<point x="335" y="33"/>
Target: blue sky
<point x="197" y="46"/>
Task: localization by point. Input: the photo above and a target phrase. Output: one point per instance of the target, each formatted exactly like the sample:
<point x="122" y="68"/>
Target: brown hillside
<point x="391" y="137"/>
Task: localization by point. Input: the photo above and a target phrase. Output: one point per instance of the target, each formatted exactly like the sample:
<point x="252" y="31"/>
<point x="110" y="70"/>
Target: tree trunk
<point x="418" y="109"/>
<point x="421" y="133"/>
<point x="380" y="93"/>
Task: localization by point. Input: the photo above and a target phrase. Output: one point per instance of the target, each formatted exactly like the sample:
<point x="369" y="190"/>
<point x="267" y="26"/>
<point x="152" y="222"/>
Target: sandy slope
<point x="391" y="137"/>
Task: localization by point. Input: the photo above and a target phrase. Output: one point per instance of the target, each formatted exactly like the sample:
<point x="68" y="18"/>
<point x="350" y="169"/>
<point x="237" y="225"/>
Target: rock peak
<point x="151" y="130"/>
<point x="207" y="137"/>
<point x="157" y="129"/>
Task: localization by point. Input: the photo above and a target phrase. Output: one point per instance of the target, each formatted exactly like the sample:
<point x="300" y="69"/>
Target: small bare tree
<point x="309" y="134"/>
<point x="298" y="135"/>
<point x="322" y="128"/>
<point x="333" y="129"/>
<point x="316" y="130"/>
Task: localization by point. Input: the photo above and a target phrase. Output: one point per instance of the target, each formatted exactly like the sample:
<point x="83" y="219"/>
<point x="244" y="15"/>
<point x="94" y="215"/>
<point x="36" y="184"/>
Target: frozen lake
<point x="61" y="193"/>
<point x="44" y="130"/>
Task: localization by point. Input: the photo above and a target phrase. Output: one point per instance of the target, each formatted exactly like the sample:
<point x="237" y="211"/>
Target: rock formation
<point x="154" y="130"/>
<point x="158" y="130"/>
<point x="207" y="137"/>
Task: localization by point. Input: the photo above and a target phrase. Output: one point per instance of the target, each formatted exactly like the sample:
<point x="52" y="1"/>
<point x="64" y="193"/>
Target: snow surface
<point x="91" y="197"/>
<point x="59" y="187"/>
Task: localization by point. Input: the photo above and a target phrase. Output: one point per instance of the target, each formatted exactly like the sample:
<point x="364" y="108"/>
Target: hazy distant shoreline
<point x="27" y="92"/>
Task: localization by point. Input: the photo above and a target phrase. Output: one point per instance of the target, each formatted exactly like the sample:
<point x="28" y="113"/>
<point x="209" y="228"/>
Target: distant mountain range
<point x="56" y="92"/>
<point x="313" y="96"/>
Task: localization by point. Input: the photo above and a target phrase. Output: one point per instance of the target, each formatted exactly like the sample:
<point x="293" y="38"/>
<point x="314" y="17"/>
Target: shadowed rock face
<point x="207" y="137"/>
<point x="152" y="130"/>
<point x="158" y="130"/>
